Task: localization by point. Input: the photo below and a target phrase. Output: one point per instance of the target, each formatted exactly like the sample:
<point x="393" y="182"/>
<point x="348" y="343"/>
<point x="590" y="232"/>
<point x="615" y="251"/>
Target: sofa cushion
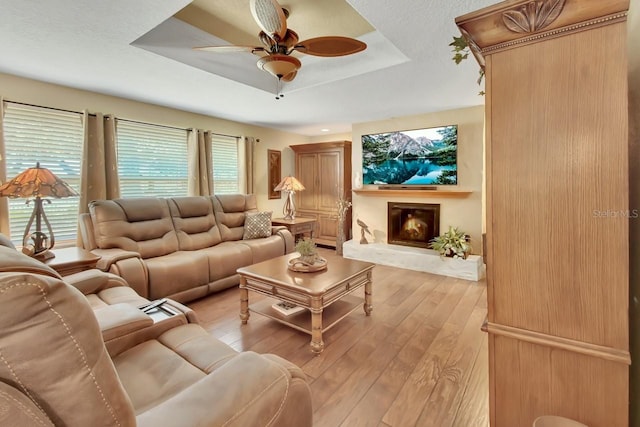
<point x="195" y="222"/>
<point x="165" y="374"/>
<point x="115" y="295"/>
<point x="230" y="210"/>
<point x="177" y="359"/>
<point x="264" y="249"/>
<point x="141" y="225"/>
<point x="177" y="272"/>
<point x="226" y="258"/>
<point x="198" y="347"/>
<point x="257" y="225"/>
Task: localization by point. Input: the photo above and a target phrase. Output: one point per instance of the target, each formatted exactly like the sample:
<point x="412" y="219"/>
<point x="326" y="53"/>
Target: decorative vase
<point x="357" y="180"/>
<point x="340" y="238"/>
<point x="309" y="259"/>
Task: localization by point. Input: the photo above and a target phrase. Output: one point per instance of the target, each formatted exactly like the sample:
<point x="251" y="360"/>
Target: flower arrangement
<point x="453" y="243"/>
<point x="343" y="208"/>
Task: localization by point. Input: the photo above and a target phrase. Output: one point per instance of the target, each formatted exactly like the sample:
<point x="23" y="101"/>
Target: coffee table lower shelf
<point x="302" y="320"/>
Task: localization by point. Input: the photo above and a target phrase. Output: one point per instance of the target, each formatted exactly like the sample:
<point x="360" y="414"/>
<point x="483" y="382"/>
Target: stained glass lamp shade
<point x="290" y="185"/>
<point x="37" y="183"/>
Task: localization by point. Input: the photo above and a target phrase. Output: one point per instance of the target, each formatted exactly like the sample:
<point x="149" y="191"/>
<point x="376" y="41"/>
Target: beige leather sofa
<point x="56" y="370"/>
<point x="182" y="247"/>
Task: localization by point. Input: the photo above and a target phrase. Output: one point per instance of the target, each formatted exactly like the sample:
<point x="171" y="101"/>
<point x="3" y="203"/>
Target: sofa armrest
<point x="108" y="257"/>
<point x="249" y="389"/>
<point x="118" y="320"/>
<point x="126" y="264"/>
<point x="188" y="313"/>
<point x="287" y="237"/>
<point x="93" y="281"/>
<point x="125" y="326"/>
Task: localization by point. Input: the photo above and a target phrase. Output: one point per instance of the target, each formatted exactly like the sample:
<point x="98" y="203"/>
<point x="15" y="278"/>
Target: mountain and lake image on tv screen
<point x="412" y="157"/>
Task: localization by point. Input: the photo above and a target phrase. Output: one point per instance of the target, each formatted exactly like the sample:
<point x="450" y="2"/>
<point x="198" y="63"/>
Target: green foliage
<point x="306" y="247"/>
<point x="460" y="49"/>
<point x="377" y="147"/>
<point x="449" y="135"/>
<point x="453" y="243"/>
<point x="461" y="52"/>
<point x="444" y="156"/>
<point x="447" y="178"/>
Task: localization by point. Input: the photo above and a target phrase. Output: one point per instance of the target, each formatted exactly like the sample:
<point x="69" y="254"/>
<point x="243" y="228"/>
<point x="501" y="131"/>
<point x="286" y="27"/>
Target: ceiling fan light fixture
<point x="279" y="65"/>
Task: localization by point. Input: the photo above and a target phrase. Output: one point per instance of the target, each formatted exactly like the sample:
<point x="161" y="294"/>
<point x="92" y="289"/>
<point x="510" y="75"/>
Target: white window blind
<point x="152" y="160"/>
<point x="53" y="138"/>
<point x="225" y="164"/>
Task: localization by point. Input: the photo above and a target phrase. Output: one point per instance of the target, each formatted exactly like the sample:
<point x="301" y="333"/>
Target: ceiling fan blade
<point x="289" y="77"/>
<point x="270" y="17"/>
<point x="330" y="46"/>
<point x="230" y="48"/>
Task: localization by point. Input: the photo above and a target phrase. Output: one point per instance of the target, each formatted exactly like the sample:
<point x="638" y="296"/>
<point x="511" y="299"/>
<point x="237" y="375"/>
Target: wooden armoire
<point x="325" y="171"/>
<point x="557" y="208"/>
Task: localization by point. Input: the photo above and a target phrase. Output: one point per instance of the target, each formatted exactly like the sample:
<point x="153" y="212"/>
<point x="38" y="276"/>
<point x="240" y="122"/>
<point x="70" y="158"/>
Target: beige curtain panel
<point x="250" y="144"/>
<point x="99" y="172"/>
<point x="200" y="164"/>
<point x="4" y="202"/>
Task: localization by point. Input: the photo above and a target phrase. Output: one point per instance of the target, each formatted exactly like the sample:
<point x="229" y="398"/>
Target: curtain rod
<point x="171" y="127"/>
<point x="117" y="118"/>
<point x="47" y="108"/>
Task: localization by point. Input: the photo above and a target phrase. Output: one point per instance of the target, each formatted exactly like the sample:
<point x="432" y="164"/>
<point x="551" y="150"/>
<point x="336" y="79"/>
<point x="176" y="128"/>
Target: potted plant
<point x="308" y="251"/>
<point x="453" y="243"/>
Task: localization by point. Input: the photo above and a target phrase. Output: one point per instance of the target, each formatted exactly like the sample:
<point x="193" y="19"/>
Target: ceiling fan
<point x="279" y="42"/>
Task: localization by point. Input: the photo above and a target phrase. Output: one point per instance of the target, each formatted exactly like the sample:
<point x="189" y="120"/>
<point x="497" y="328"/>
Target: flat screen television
<point x="411" y="157"/>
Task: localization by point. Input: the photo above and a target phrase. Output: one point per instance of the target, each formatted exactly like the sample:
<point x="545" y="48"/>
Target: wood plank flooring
<point x="420" y="359"/>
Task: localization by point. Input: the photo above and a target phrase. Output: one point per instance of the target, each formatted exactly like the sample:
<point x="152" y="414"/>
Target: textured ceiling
<point x="115" y="48"/>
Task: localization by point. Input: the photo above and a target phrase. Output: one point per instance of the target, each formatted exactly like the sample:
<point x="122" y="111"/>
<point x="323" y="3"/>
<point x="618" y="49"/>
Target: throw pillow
<point x="256" y="225"/>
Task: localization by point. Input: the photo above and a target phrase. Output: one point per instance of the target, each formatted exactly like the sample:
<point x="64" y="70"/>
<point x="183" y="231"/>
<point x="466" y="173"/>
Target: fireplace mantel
<point x="422" y="193"/>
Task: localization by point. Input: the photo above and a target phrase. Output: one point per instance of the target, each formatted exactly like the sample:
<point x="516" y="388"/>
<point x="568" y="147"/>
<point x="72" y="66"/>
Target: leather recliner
<point x="56" y="370"/>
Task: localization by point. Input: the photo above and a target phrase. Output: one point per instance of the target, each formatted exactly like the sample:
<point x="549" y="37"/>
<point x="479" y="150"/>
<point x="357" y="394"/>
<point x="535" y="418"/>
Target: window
<point x="152" y="160"/>
<point x="53" y="138"/>
<point x="225" y="164"/>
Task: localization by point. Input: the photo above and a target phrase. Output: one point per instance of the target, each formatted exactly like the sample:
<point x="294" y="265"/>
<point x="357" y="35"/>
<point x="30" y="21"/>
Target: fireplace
<point x="412" y="224"/>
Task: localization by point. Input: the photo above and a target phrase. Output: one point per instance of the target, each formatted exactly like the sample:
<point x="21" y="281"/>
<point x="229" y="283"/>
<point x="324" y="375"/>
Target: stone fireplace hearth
<point x="410" y="228"/>
<point x="412" y="224"/>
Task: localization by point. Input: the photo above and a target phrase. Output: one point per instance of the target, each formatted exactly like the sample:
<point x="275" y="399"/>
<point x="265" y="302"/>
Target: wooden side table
<point x="72" y="260"/>
<point x="297" y="226"/>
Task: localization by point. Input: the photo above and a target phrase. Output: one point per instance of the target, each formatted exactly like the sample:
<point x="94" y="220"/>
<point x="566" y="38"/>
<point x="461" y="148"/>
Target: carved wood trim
<point x="593" y="350"/>
<point x="473" y="46"/>
<point x="557" y="32"/>
<point x="533" y="16"/>
<point x="515" y="23"/>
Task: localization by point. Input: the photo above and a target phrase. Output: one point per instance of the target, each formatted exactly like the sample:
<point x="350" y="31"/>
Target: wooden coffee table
<point x="325" y="293"/>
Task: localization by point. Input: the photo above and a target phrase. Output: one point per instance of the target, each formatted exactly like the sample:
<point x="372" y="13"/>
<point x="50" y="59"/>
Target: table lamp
<point x="37" y="183"/>
<point x="290" y="185"/>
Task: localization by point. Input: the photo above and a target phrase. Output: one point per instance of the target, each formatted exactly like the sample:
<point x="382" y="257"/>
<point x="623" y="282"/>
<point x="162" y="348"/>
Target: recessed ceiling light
<point x="325" y="130"/>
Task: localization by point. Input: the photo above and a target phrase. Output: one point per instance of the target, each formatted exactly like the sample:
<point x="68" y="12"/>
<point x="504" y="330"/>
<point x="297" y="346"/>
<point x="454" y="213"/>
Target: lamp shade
<point x="289" y="183"/>
<point x="36" y="182"/>
<point x="279" y="65"/>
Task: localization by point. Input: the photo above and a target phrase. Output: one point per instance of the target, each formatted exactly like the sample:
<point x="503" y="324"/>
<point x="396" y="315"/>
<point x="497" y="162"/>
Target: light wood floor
<point x="419" y="360"/>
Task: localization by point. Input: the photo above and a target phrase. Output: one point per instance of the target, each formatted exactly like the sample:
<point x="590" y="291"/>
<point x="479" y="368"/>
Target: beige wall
<point x="331" y="137"/>
<point x="465" y="213"/>
<point x="49" y="95"/>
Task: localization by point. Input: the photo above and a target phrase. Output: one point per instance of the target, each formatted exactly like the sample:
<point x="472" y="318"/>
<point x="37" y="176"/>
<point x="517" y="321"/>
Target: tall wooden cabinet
<point x="325" y="171"/>
<point x="557" y="208"/>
